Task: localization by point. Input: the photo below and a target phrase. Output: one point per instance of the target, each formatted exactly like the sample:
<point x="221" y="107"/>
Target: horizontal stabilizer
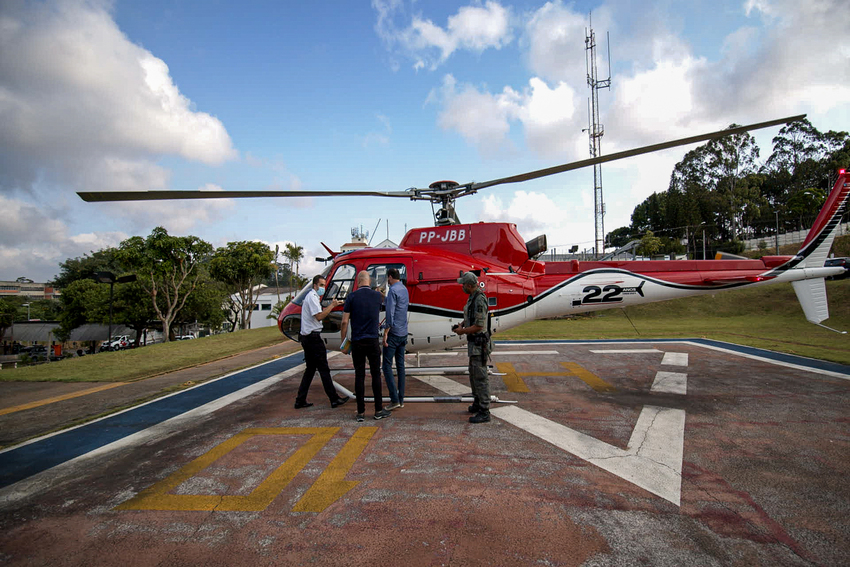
<point x="728" y="256"/>
<point x="812" y="297"/>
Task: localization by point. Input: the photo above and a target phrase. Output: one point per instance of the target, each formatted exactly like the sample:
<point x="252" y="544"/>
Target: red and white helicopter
<point x="519" y="287"/>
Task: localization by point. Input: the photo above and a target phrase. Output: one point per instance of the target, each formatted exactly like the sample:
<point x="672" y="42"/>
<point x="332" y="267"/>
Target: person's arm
<point x="327" y="310"/>
<point x="390" y="304"/>
<point x="343" y="328"/>
<point x="468" y="330"/>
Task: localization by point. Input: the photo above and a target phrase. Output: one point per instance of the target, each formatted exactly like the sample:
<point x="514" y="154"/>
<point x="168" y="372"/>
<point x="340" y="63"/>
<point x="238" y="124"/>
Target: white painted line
<point x="626" y="351"/>
<point x="446" y="385"/>
<point x="776" y="362"/>
<point x="675" y="359"/>
<point x="652" y="460"/>
<point x="433" y="353"/>
<point x="670" y="383"/>
<point x="512" y="352"/>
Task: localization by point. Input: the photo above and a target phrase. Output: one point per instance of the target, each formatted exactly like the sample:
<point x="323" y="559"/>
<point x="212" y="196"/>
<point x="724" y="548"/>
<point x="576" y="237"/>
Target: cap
<point x="468" y="277"/>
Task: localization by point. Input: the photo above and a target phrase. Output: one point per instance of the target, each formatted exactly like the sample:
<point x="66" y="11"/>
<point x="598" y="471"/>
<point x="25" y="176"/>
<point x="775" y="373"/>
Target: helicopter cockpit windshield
<point x="340" y="285"/>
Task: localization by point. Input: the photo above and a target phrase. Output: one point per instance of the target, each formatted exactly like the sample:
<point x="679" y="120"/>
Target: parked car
<point x="118" y="343"/>
<point x="184" y="337"/>
<point x="833" y="262"/>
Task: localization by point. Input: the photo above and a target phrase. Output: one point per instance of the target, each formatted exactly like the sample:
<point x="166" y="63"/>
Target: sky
<point x="382" y="95"/>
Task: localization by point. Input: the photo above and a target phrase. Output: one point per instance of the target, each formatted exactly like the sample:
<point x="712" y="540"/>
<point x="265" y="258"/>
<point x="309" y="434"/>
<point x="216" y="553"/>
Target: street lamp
<point x="27" y="305"/>
<point x="109" y="277"/>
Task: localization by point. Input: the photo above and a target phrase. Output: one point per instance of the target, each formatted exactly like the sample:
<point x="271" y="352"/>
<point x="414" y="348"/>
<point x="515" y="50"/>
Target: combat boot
<point x="474" y="408"/>
<point x="483" y="416"/>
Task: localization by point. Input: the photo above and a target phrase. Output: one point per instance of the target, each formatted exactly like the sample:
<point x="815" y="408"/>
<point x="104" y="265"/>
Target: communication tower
<point x="595" y="131"/>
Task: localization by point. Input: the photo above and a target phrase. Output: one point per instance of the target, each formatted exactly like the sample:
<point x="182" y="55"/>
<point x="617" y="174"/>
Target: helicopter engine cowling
<point x="536" y="246"/>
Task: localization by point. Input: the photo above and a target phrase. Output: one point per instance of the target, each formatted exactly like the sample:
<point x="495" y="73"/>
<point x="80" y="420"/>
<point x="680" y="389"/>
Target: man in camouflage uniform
<point x="475" y="318"/>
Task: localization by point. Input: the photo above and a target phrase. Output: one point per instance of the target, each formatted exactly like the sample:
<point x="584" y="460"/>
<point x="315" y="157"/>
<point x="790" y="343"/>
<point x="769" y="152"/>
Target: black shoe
<point x="474" y="408"/>
<point x="482" y="416"/>
<point x="339" y="401"/>
<point x="382" y="414"/>
<point x="299" y="405"/>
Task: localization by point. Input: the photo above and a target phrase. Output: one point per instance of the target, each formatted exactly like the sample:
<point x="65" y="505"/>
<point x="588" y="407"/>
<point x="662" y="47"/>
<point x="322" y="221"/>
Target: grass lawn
<point x="145" y="362"/>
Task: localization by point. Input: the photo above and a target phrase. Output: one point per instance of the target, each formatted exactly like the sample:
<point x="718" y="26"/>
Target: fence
<point x="794" y="237"/>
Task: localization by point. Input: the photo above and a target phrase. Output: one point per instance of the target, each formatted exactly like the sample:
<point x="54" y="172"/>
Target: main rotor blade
<point x="629" y="153"/>
<point x="97" y="196"/>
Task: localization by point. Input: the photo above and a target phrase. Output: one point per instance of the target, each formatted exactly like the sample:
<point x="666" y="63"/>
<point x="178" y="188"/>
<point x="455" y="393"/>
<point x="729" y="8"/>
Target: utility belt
<point x="479" y="339"/>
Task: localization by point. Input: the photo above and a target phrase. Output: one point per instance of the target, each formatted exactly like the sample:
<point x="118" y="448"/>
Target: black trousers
<point x="362" y="350"/>
<point x="316" y="358"/>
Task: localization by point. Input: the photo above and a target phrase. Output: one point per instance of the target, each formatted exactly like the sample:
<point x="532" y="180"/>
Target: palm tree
<point x="294" y="254"/>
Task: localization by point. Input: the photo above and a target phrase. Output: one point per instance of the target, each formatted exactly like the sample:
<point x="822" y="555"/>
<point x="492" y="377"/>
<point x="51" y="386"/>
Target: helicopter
<point x="519" y="287"/>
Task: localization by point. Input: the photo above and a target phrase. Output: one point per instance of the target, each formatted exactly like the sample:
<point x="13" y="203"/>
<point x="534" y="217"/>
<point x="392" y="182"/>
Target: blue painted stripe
<point x="27" y="460"/>
<point x="768" y="354"/>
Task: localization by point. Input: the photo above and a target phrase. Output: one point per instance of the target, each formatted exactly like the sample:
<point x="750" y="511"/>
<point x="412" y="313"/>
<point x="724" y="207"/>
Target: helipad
<point x="615" y="453"/>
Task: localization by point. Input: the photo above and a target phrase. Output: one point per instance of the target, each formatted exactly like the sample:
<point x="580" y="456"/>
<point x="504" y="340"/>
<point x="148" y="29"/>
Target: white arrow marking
<point x="626" y="351"/>
<point x="652" y="460"/>
<point x="675" y="359"/>
<point x="670" y="383"/>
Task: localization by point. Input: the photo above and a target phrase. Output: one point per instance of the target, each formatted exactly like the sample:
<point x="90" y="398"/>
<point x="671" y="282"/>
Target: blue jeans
<point x="395" y="349"/>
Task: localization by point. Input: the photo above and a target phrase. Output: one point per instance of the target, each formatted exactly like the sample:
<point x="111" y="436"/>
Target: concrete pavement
<point x="640" y="453"/>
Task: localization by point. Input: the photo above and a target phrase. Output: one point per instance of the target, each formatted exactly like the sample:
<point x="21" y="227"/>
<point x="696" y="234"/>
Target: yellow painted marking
<point x="331" y="485"/>
<point x="589" y="377"/>
<point x="511" y="378"/>
<point x="55" y="399"/>
<point x="157" y="498"/>
<point x="514" y="382"/>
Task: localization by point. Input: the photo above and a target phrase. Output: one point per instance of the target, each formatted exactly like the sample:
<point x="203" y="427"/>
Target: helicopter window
<point x="378" y="274"/>
<point x="341" y="283"/>
<point x="299" y="299"/>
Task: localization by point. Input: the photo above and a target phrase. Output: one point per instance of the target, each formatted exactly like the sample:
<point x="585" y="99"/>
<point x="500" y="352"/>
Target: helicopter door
<point x="340" y="284"/>
<point x="509" y="302"/>
<point x="378" y="274"/>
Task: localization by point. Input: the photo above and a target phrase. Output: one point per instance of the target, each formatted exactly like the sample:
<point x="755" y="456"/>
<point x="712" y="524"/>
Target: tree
<point x="206" y="305"/>
<point x="294" y="254"/>
<point x="84" y="267"/>
<point x="241" y="266"/>
<point x="82" y="302"/>
<point x="167" y="268"/>
<point x="649" y="244"/>
<point x="7" y="315"/>
<point x="619" y="237"/>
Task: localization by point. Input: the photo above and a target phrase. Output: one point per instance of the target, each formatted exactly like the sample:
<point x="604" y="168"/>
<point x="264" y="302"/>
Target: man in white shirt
<point x="315" y="353"/>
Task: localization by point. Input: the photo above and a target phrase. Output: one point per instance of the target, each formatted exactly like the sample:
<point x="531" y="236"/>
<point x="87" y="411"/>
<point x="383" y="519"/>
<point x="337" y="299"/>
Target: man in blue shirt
<point x="395" y="337"/>
<point x="363" y="309"/>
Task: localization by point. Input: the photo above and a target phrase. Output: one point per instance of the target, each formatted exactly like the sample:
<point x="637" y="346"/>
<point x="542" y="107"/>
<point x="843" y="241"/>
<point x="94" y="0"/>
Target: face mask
<point x="321" y="291"/>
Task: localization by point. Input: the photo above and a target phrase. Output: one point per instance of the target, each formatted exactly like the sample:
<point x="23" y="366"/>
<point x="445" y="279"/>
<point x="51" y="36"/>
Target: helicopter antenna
<point x="374" y="232"/>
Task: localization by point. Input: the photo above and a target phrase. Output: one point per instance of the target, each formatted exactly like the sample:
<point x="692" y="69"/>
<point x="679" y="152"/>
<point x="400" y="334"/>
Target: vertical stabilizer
<point x="816" y="247"/>
<point x="812" y="297"/>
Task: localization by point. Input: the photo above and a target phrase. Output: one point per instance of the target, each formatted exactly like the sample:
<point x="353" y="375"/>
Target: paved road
<point x="640" y="453"/>
<point x="82" y="401"/>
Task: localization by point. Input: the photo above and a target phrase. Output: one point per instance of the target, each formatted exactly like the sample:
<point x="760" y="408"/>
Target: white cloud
<point x="76" y="96"/>
<point x="554" y="41"/>
<point x="382" y="137"/>
<point x="552" y="126"/>
<point x="32" y="243"/>
<point x="473" y="28"/>
<point x="535" y="213"/>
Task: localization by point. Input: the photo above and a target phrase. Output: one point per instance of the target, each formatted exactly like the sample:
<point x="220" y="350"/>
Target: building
<point x="25" y="287"/>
